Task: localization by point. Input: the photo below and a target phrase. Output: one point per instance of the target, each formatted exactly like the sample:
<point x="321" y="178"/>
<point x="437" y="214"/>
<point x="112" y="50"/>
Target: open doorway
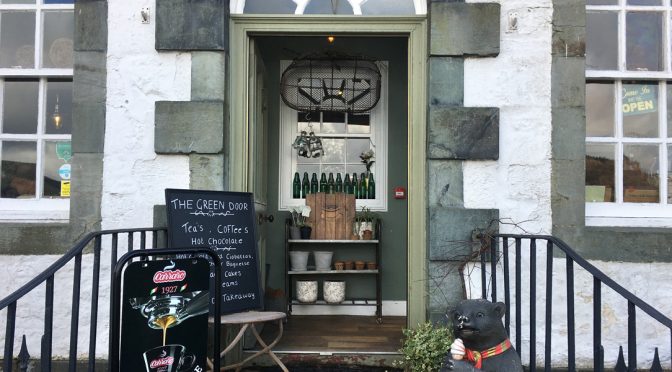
<point x="344" y="136"/>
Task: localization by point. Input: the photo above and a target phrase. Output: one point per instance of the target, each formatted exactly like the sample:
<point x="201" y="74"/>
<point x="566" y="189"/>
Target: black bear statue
<point x="481" y="342"/>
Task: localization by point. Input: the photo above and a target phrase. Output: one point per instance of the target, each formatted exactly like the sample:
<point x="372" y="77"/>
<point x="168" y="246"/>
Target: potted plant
<point x="364" y="223"/>
<point x="424" y="348"/>
<point x="300" y="216"/>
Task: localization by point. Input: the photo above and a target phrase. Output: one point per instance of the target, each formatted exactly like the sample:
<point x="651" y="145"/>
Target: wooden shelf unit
<point x="289" y="274"/>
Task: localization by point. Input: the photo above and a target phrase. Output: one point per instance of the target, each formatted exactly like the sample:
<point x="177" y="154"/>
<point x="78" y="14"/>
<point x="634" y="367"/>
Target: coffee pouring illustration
<point x="168" y="310"/>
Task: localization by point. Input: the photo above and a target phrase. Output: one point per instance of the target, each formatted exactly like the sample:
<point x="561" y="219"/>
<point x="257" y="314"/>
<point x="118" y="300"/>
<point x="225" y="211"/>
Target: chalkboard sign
<point x="224" y="221"/>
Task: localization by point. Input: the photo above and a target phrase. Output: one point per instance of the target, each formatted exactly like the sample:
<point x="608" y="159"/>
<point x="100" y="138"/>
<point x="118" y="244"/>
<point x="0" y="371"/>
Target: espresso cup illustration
<point x="168" y="358"/>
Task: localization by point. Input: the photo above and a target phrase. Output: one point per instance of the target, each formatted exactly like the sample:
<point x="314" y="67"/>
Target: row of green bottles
<point x="364" y="188"/>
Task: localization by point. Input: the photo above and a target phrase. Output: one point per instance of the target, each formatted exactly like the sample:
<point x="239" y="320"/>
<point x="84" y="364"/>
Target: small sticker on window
<point x="65" y="188"/>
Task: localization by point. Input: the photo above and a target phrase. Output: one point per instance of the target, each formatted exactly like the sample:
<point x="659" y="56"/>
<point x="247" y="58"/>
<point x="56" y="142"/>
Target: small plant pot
<point x="294" y="232"/>
<point x="333" y="291"/>
<point x="339" y="265"/>
<point x="298" y="260"/>
<point x="305" y="232"/>
<point x="349" y="265"/>
<point x="371" y="265"/>
<point x="359" y="265"/>
<point x="306" y="291"/>
<point x="367" y="235"/>
<point x="323" y="260"/>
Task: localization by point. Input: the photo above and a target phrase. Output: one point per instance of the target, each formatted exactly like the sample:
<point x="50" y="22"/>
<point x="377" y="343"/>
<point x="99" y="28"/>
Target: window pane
<point x="359" y="123"/>
<point x="270" y="7"/>
<point x="602" y="2"/>
<point x="58" y="31"/>
<point x="388" y="7"/>
<point x="640" y="110"/>
<point x="18" y="169"/>
<point x="644" y="46"/>
<point x="20" y="107"/>
<point x="57" y="169"/>
<point x="640" y="174"/>
<point x="599" y="109"/>
<point x="59" y="1"/>
<point x="356" y="146"/>
<point x="310" y="169"/>
<point x="669" y="110"/>
<point x="335" y="170"/>
<point x="59" y="107"/>
<point x="602" y="41"/>
<point x="17" y="1"/>
<point x="600" y="171"/>
<point x="328" y="7"/>
<point x="333" y="122"/>
<point x="17" y="39"/>
<point x="355" y="168"/>
<point x="643" y="2"/>
<point x="669" y="174"/>
<point x="334" y="150"/>
<point x="309" y="121"/>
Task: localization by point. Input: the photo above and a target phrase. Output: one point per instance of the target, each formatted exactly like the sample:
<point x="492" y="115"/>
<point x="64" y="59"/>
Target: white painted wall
<point x="518" y="81"/>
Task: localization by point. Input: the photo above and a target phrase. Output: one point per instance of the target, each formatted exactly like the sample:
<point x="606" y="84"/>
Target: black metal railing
<point x="496" y="252"/>
<point x="94" y="244"/>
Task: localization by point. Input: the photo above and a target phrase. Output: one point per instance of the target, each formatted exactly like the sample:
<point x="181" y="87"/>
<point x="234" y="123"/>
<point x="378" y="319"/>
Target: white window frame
<point x="37" y="209"/>
<point x="287" y="155"/>
<point x="619" y="213"/>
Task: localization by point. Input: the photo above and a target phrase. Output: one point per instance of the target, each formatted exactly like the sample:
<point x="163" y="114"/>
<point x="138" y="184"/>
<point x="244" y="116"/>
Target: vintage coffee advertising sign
<point x="225" y="222"/>
<point x="164" y="324"/>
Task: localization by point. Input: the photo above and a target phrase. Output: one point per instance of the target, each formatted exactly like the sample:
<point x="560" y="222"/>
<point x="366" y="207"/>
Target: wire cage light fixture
<point x="327" y="82"/>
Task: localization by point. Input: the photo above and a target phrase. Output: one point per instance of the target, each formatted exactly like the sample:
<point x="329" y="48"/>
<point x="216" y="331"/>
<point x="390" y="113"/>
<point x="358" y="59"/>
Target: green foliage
<point x="423" y="349"/>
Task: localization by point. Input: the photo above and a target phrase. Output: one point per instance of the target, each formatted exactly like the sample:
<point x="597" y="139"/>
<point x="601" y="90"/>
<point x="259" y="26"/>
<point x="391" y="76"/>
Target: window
<point x="344" y="137"/>
<point x="628" y="113"/>
<point x="36" y="65"/>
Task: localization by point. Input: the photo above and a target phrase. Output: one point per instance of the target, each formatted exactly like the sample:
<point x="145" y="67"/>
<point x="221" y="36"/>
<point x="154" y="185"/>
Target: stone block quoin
<point x="461" y="29"/>
<point x="192" y="25"/>
<point x="463" y="133"/>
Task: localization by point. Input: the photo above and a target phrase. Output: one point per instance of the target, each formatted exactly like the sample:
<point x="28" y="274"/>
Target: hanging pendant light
<point x="56" y="116"/>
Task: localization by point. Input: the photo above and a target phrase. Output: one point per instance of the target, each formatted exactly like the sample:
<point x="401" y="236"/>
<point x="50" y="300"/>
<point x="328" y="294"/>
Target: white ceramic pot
<point x="323" y="260"/>
<point x="334" y="291"/>
<point x="306" y="291"/>
<point x="298" y="260"/>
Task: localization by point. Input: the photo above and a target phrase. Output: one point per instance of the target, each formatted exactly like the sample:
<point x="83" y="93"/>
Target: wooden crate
<point x="331" y="215"/>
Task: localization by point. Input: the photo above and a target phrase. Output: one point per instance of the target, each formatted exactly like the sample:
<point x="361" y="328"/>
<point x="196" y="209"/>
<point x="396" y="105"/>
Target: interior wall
<point x="393" y="249"/>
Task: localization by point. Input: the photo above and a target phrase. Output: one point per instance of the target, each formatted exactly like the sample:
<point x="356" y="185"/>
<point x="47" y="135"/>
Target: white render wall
<point x="518" y="81"/>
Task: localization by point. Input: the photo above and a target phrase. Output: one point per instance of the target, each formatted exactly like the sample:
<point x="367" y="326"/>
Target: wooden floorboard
<point x="338" y="333"/>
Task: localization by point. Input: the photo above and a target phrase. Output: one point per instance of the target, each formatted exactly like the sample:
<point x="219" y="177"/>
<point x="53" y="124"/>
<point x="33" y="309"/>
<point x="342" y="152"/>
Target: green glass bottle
<point x="363" y="193"/>
<point x="339" y="183"/>
<point x="355" y="186"/>
<point x="305" y="185"/>
<point x="296" y="186"/>
<point x="314" y="186"/>
<point x="331" y="185"/>
<point x="347" y="186"/>
<point x="371" y="187"/>
<point x="323" y="183"/>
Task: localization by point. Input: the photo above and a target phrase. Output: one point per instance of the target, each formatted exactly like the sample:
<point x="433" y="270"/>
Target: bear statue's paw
<point x="450" y="364"/>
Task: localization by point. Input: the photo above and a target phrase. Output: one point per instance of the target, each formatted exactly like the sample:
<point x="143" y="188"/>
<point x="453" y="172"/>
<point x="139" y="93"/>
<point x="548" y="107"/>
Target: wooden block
<point x="331" y="215"/>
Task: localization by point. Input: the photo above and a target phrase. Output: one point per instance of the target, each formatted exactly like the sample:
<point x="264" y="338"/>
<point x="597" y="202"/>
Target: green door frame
<point x="243" y="27"/>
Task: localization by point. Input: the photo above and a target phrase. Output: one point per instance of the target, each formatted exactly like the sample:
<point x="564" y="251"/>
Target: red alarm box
<point x="399" y="192"/>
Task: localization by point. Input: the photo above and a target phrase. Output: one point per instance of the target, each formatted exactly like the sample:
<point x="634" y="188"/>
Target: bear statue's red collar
<point x="477" y="357"/>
